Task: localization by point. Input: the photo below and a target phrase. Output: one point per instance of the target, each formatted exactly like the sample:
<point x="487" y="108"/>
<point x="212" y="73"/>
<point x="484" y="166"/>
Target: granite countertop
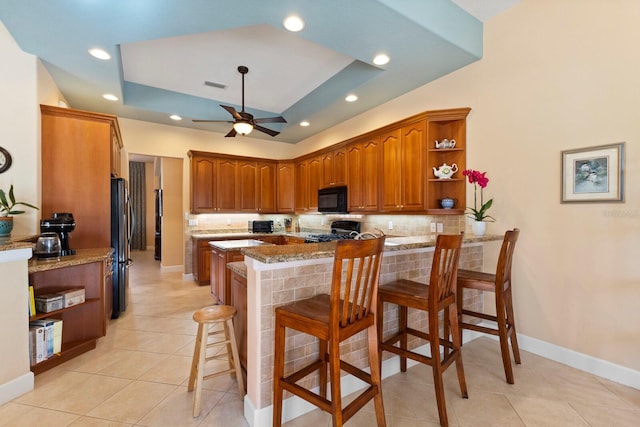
<point x="226" y="245"/>
<point x="212" y="234"/>
<point x="8" y="243"/>
<point x="238" y="267"/>
<point x="286" y="253"/>
<point x="82" y="256"/>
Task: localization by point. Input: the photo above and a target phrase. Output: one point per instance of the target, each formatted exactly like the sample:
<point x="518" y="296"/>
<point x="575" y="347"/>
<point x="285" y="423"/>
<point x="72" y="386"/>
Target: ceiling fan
<point x="244" y="122"/>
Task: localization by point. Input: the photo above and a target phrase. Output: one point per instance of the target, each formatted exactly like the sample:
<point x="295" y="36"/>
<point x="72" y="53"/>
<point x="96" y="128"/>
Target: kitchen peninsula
<point x="277" y="275"/>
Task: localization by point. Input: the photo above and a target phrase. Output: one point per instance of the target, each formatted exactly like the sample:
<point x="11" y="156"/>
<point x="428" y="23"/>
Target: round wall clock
<point x="5" y="160"/>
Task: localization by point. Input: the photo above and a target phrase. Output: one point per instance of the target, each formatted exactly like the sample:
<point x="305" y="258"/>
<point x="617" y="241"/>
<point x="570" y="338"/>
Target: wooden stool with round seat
<point x="206" y="318"/>
<point x="500" y="284"/>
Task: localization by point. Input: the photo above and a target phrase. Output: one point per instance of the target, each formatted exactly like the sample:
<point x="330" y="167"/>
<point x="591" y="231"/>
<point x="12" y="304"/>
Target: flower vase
<point x="479" y="228"/>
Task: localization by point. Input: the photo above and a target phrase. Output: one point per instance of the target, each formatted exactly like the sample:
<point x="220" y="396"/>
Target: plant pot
<point x="6" y="225"/>
<point x="479" y="228"/>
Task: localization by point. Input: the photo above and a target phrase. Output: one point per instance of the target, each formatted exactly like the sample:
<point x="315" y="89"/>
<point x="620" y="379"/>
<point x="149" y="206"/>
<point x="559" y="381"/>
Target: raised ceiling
<point x="163" y="51"/>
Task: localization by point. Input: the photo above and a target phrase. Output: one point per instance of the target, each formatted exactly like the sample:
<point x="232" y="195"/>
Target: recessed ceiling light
<point x="175" y="117"/>
<point x="381" y="59"/>
<point x="293" y="23"/>
<point x="351" y="98"/>
<point x="99" y="53"/>
<point x="110" y="97"/>
<point x="304" y="123"/>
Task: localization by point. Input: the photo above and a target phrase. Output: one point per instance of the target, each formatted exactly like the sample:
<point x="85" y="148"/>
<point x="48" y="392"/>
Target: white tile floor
<point x="138" y="377"/>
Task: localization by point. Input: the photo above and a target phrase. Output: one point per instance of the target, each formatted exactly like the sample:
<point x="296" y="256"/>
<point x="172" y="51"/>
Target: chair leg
<point x="194" y="361"/>
<point x="234" y="357"/>
<point x="504" y="341"/>
<point x="459" y="303"/>
<point x="376" y="374"/>
<point x="322" y="353"/>
<point x="336" y="392"/>
<point x="203" y="334"/>
<point x="511" y="321"/>
<point x="436" y="367"/>
<point x="278" y="372"/>
<point x="457" y="349"/>
<point x="403" y="337"/>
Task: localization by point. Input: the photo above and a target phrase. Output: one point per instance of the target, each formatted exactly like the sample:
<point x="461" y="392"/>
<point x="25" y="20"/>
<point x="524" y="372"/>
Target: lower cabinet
<point x="220" y="278"/>
<point x="84" y="323"/>
<point x="239" y="301"/>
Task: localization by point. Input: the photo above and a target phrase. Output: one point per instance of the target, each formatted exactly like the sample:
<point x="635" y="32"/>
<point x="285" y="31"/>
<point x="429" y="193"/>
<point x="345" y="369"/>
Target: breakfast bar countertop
<point x="306" y="251"/>
<point x="227" y="245"/>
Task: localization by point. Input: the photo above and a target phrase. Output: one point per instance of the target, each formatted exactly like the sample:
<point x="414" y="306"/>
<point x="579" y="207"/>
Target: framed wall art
<point x="593" y="174"/>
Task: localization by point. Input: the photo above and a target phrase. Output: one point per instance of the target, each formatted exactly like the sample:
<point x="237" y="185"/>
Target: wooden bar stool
<point x="500" y="284"/>
<point x="439" y="295"/>
<point x="207" y="317"/>
<point x="333" y="319"/>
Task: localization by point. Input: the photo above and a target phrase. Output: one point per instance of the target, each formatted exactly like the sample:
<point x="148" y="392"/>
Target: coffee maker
<point x="62" y="224"/>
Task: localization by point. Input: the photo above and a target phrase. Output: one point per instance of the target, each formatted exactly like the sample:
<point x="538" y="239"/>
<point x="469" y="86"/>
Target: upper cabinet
<point x="363" y="166"/>
<point x="403" y="168"/>
<point x="78" y="160"/>
<point x="285" y="176"/>
<point x="213" y="183"/>
<point x="257" y="186"/>
<point x="450" y="125"/>
<point x="334" y="168"/>
<point x="307" y="184"/>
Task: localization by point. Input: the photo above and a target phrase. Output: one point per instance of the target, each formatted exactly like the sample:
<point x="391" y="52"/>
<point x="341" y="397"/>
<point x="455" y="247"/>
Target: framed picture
<point x="593" y="174"/>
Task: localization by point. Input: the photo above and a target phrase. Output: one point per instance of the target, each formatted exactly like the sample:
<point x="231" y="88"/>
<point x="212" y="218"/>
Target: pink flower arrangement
<point x="478" y="179"/>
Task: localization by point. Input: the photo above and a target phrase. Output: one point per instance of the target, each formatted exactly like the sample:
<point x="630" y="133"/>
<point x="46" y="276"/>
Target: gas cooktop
<point x="340" y="230"/>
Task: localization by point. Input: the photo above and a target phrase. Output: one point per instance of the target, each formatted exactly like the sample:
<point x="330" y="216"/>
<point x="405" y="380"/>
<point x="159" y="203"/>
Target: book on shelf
<point x="37" y="344"/>
<point x="32" y="302"/>
<point x="49" y="333"/>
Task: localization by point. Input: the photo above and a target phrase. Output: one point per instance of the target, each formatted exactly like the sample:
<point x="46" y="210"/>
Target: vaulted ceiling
<point x="163" y="52"/>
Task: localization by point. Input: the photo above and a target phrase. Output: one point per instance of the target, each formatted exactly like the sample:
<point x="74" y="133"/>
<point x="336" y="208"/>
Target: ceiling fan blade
<point x="211" y="121"/>
<point x="265" y="130"/>
<point x="278" y="119"/>
<point x="231" y="133"/>
<point x="232" y="111"/>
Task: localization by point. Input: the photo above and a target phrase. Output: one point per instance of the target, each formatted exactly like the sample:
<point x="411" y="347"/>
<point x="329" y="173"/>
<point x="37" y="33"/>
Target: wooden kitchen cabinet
<point x="239" y="301"/>
<point x="363" y="170"/>
<point x="213" y="183"/>
<point x="82" y="324"/>
<point x="307" y="184"/>
<point x="334" y="168"/>
<point x="403" y="168"/>
<point x="201" y="260"/>
<point x="449" y="124"/>
<point x="116" y="152"/>
<point x="78" y="160"/>
<point x="257" y="186"/>
<point x="221" y="275"/>
<point x="285" y="177"/>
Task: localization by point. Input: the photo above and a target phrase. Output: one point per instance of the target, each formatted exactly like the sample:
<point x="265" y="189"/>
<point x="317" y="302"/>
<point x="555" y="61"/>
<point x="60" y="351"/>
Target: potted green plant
<point x="7" y="209"/>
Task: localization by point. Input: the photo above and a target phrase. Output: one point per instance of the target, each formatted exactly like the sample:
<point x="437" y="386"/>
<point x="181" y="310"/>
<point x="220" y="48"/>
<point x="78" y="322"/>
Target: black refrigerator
<point x="121" y="229"/>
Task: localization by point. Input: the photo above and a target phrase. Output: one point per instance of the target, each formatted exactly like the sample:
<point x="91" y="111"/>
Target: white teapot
<point x="445" y="171"/>
<point x="446" y="143"/>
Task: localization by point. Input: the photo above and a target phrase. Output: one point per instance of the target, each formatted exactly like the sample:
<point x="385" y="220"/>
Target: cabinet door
<point x="355" y="177"/>
<point x="413" y="167"/>
<point x="315" y="172"/>
<point x="334" y="168"/>
<point x="391" y="170"/>
<point x="203" y="190"/>
<point x="370" y="172"/>
<point x="285" y="187"/>
<point x="301" y="186"/>
<point x="248" y="189"/>
<point x="266" y="183"/>
<point x="239" y="301"/>
<point x="226" y="185"/>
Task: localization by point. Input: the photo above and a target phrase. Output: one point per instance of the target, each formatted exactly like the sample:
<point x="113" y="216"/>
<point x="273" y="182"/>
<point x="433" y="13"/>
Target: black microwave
<point x="332" y="200"/>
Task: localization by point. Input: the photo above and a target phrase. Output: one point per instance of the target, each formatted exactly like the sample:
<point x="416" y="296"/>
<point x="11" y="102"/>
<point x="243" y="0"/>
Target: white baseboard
<point x="295" y="406"/>
<point x="16" y="387"/>
<point x="171" y="268"/>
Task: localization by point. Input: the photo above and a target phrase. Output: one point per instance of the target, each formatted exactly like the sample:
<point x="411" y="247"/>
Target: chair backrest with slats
<point x="356" y="271"/>
<point x="503" y="271"/>
<point x="444" y="269"/>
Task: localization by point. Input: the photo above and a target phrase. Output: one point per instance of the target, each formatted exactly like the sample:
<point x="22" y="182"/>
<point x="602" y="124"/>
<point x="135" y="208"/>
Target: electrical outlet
<point x="433" y="227"/>
<point x="228" y="222"/>
<point x="440" y="227"/>
<point x="390" y="227"/>
<point x="193" y="222"/>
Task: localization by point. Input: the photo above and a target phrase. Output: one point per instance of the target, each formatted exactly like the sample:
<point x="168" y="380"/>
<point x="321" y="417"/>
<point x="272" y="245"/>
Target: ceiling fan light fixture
<point x="243" y="127"/>
<point x="293" y="23"/>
